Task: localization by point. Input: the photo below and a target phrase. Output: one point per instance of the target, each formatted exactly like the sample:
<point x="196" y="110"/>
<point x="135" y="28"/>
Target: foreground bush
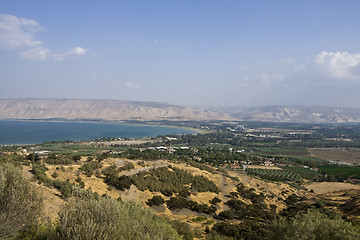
<point x="314" y="225"/>
<point x="20" y="203"/>
<point x="183" y="229"/>
<point x="105" y="218"/>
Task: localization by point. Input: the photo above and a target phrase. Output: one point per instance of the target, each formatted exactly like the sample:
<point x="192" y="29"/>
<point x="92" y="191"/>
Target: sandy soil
<point x="26" y="170"/>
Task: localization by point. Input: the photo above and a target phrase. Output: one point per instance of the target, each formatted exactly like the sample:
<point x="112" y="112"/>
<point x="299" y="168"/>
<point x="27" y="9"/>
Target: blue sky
<point x="183" y="52"/>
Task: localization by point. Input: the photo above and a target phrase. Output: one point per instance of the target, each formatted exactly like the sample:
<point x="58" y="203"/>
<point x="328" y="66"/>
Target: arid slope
<point x="94" y="109"/>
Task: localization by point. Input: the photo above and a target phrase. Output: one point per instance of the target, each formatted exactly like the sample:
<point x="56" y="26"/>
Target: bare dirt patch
<point x="328" y="187"/>
<point x="26" y="170"/>
<point x="52" y="202"/>
<point x="351" y="155"/>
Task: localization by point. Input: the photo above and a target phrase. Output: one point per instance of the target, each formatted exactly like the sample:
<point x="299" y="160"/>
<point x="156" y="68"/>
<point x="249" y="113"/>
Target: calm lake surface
<point x="30" y="132"/>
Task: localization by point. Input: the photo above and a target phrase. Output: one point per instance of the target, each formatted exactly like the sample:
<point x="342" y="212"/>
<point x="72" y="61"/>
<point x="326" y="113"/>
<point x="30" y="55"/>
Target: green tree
<point x="20" y="202"/>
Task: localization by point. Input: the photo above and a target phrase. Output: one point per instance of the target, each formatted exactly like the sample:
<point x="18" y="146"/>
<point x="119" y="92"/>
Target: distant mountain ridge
<point x="119" y="110"/>
<point x="289" y="113"/>
<point x="93" y="109"/>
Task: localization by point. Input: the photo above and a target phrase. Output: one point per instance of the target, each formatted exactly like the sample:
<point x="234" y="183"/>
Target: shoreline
<point x="197" y="130"/>
<point x="124" y="123"/>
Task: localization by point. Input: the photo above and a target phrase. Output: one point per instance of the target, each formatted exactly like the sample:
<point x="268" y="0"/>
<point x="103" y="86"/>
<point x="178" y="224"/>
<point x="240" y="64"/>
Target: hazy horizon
<point x="205" y="106"/>
<point x="191" y="53"/>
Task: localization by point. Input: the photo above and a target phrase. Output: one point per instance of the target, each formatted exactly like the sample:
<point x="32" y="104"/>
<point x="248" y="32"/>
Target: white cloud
<point x="132" y="85"/>
<point x="327" y="78"/>
<point x="69" y="53"/>
<point x="39" y="54"/>
<point x="324" y="69"/>
<point x="339" y="65"/>
<point x="17" y="32"/>
<point x="43" y="54"/>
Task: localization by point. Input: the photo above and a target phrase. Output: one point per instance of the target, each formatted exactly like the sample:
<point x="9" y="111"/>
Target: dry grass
<point x="52" y="202"/>
<point x="337" y="154"/>
<point x="328" y="187"/>
<point x="272" y="190"/>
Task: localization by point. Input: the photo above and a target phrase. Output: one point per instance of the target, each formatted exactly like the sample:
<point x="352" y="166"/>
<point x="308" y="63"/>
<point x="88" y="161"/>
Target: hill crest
<point x="293" y="113"/>
<point x="95" y="109"/>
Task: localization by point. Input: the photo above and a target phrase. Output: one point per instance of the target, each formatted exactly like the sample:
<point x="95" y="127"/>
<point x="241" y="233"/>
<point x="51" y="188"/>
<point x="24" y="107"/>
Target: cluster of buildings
<point x="162" y="148"/>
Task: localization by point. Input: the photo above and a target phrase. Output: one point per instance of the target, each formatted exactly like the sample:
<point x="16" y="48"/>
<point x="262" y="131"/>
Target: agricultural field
<point x="263" y="167"/>
<point x="285" y="173"/>
<point x="263" y="151"/>
<point x="351" y="155"/>
<point x="341" y="173"/>
<point x="300" y="160"/>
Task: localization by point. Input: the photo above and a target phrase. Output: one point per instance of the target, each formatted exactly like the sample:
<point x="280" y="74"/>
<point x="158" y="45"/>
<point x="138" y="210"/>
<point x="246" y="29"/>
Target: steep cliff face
<point x="99" y="109"/>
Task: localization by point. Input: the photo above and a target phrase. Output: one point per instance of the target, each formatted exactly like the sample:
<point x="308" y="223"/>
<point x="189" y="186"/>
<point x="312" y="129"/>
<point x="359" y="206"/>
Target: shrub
<point x="176" y="181"/>
<point x="215" y="200"/>
<point x="106" y="218"/>
<point x="111" y="170"/>
<point x="54" y="175"/>
<point x="314" y="225"/>
<point x="183" y="229"/>
<point x="167" y="192"/>
<point x="39" y="172"/>
<point x="227" y="214"/>
<point x="20" y="203"/>
<point x="90" y="167"/>
<point x="184" y="193"/>
<point x="65" y="187"/>
<point x="78" y="179"/>
<point x="82" y="184"/>
<point x="126" y="167"/>
<point x="59" y="159"/>
<point x="292" y="199"/>
<point x="155" y="201"/>
<point x="123" y="183"/>
<point x="177" y="203"/>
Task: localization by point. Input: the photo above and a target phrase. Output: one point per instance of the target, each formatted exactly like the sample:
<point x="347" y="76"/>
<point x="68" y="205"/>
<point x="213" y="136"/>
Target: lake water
<point x="30" y="132"/>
